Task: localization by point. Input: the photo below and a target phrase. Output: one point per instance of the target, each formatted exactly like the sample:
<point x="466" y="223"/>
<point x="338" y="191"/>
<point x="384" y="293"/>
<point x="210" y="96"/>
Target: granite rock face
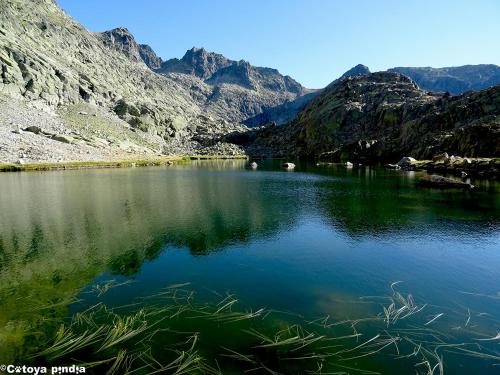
<point x="216" y="69"/>
<point x="149" y="56"/>
<point x="122" y="40"/>
<point x="196" y="61"/>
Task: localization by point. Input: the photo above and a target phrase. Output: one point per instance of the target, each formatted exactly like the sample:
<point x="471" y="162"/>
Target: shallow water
<point x="319" y="241"/>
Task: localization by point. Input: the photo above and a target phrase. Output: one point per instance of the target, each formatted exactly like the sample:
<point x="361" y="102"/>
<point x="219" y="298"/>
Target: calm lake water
<point x="319" y="247"/>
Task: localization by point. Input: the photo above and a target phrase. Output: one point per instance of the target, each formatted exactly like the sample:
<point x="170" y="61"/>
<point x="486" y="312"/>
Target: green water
<point x="314" y="244"/>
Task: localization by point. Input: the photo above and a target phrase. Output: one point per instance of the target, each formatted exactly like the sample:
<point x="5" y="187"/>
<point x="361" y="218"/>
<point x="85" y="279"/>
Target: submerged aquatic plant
<point x="171" y="333"/>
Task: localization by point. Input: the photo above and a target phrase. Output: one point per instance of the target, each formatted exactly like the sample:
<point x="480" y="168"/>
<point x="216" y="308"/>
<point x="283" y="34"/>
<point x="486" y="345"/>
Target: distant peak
<point x="120" y="31"/>
<point x="357" y="70"/>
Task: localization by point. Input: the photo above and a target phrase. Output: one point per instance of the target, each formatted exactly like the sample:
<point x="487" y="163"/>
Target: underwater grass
<point x="170" y="332"/>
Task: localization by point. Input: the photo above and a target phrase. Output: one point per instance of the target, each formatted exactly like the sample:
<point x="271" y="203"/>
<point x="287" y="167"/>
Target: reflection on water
<point x="304" y="241"/>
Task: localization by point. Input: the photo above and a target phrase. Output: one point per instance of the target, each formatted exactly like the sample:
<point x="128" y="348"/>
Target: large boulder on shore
<point x="406" y="162"/>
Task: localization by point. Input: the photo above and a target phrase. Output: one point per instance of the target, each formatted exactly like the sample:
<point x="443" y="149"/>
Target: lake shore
<point x="167" y="160"/>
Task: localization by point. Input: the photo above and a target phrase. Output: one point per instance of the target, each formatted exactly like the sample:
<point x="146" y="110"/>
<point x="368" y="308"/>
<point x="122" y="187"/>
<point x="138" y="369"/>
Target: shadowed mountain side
<point x="384" y="116"/>
<point x="283" y="113"/>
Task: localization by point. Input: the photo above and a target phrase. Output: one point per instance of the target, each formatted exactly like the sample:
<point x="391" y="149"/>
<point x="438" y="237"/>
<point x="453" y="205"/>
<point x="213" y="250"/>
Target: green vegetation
<point x="86" y="164"/>
<point x="171" y="333"/>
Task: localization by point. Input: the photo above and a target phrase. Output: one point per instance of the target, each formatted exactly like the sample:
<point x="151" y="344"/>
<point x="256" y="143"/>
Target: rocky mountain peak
<point x="216" y="69"/>
<point x="149" y="56"/>
<point x="122" y="40"/>
<point x="196" y="61"/>
<point x="358" y="70"/>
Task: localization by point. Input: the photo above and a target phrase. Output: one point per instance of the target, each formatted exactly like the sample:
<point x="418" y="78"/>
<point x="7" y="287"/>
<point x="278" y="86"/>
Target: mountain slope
<point x="383" y="116"/>
<point x="47" y="57"/>
<point x="455" y="80"/>
<point x="100" y="89"/>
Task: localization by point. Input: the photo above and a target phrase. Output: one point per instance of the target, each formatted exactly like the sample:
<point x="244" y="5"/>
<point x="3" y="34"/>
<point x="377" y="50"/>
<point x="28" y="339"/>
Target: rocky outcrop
<point x="120" y="39"/>
<point x="383" y="116"/>
<point x="455" y="80"/>
<point x="443" y="182"/>
<point x="149" y="56"/>
<point x="357" y="70"/>
<point x="456" y="165"/>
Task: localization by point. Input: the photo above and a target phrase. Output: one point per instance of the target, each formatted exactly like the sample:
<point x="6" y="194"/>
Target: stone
<point x="392" y="166"/>
<point x="289" y="166"/>
<point x="63" y="138"/>
<point x="33" y="129"/>
<point x="406" y="162"/>
<point x="443" y="182"/>
<point x="441" y="157"/>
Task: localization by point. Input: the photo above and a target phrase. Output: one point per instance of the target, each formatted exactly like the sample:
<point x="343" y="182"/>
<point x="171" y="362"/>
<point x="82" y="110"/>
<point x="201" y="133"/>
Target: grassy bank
<point x="109" y="164"/>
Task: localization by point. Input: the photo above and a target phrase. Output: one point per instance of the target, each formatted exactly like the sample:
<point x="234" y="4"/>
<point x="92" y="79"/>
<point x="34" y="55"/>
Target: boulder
<point x="443" y="182"/>
<point x="63" y="138"/>
<point x="33" y="129"/>
<point x="406" y="162"/>
<point x="441" y="158"/>
<point x="392" y="166"/>
<point x="289" y="166"/>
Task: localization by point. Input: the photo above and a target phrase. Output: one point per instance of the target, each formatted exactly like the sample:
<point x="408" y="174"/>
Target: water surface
<point x="318" y="242"/>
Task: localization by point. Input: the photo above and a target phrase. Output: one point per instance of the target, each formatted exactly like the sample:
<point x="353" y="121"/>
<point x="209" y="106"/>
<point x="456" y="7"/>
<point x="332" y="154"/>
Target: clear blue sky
<point x="314" y="41"/>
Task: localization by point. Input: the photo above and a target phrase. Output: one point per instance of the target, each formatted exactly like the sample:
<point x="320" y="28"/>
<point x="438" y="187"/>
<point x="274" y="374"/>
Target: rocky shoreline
<point x="455" y="165"/>
<point x="130" y="163"/>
